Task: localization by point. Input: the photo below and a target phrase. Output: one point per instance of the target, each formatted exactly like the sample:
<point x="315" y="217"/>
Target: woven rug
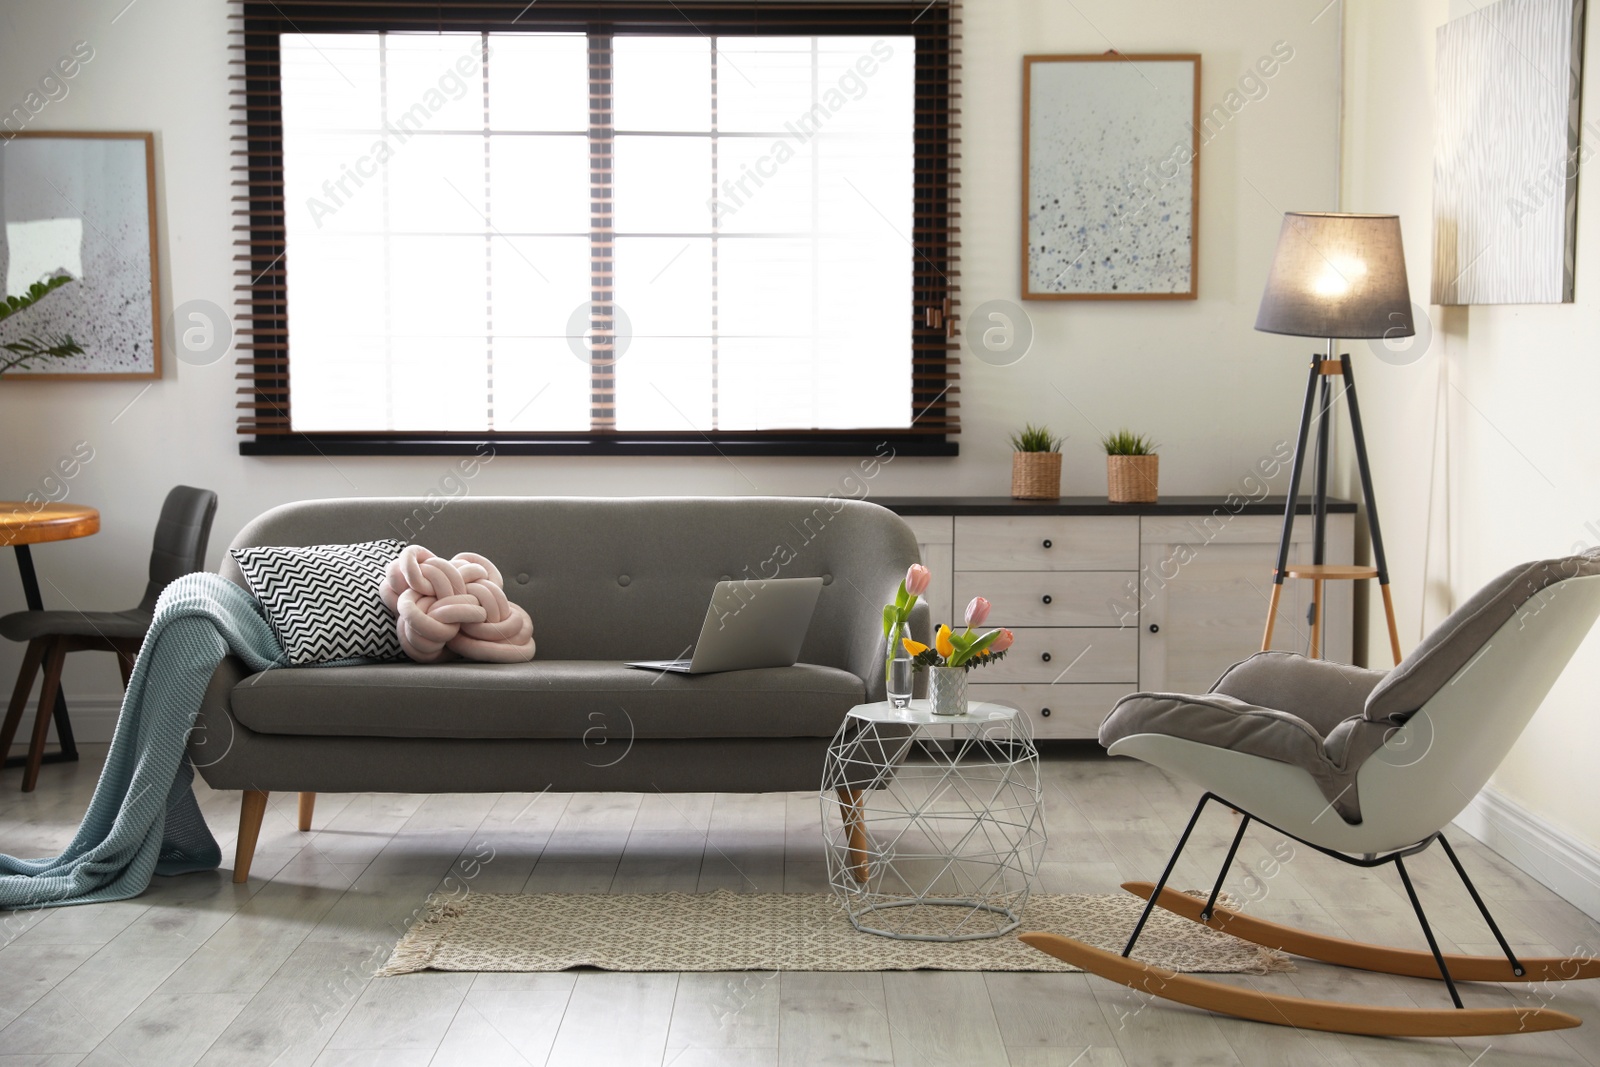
<point x="724" y="931"/>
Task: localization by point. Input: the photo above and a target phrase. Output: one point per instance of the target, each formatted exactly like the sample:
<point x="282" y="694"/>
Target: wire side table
<point x="932" y="823"/>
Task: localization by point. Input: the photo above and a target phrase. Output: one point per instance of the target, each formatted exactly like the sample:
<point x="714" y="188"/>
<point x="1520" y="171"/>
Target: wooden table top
<point x="24" y="523"/>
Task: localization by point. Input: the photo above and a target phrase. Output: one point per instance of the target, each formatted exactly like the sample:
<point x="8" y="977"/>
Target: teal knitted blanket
<point x="143" y="819"/>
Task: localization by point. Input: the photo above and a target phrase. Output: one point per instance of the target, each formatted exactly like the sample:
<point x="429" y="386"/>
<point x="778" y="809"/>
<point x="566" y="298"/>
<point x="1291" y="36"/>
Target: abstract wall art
<point x="83" y="203"/>
<point x="1507" y="150"/>
<point x="1110" y="177"/>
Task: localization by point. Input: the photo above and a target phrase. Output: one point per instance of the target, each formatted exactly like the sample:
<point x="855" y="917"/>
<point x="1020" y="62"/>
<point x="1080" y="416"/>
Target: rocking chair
<point x="1367" y="767"/>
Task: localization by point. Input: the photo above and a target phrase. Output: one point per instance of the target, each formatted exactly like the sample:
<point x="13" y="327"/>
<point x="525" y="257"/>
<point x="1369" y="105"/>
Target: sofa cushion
<point x="323" y="600"/>
<point x="551" y="699"/>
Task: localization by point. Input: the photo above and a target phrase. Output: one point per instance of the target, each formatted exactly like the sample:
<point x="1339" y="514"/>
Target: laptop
<point x="748" y="625"/>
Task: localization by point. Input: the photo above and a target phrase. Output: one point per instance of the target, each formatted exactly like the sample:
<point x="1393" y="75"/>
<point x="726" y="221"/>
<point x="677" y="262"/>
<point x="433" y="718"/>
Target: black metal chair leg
<point x="1216" y="890"/>
<point x="1427" y="931"/>
<point x="1483" y="909"/>
<point x="1150" y="905"/>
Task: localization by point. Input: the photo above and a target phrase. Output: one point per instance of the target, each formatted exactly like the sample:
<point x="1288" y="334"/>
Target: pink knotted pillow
<point x="454" y="607"/>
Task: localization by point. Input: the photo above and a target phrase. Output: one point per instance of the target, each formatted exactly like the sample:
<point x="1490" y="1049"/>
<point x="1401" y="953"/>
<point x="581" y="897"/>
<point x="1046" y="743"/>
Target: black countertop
<point x="1098" y="505"/>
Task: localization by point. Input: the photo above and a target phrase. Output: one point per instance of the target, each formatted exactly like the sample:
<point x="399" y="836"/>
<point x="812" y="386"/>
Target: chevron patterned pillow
<point x="323" y="601"/>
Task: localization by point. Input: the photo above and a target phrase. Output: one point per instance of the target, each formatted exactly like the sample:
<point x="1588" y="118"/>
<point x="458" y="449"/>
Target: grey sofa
<point x="605" y="580"/>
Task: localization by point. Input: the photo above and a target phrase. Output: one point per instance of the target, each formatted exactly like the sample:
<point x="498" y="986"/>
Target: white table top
<point x="917" y="712"/>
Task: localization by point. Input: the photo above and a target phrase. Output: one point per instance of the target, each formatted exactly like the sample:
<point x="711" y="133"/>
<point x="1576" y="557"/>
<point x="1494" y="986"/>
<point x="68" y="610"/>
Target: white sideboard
<point x="1160" y="597"/>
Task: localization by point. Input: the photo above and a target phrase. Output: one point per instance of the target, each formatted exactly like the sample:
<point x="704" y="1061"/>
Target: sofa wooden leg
<point x="308" y="804"/>
<point x="857" y="832"/>
<point x="251" y="808"/>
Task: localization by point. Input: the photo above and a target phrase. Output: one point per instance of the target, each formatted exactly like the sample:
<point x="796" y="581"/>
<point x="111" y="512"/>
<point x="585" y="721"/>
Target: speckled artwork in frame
<point x="1110" y="177"/>
<point x="83" y="203"/>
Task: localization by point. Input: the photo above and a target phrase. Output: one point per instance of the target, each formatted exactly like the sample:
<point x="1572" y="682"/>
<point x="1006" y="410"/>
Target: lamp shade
<point x="1337" y="276"/>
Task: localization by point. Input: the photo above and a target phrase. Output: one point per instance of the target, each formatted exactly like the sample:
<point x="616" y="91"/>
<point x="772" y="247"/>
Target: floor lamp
<point x="1334" y="276"/>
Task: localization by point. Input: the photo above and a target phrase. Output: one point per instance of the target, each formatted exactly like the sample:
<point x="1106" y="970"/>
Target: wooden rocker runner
<point x="1367" y="768"/>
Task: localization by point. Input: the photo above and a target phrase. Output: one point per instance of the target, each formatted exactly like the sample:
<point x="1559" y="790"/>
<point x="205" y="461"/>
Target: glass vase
<point x="897" y="667"/>
<point x="947" y="690"/>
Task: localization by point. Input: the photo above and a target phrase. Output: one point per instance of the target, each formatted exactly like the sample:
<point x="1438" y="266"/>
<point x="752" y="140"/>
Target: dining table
<point x="24" y="523"/>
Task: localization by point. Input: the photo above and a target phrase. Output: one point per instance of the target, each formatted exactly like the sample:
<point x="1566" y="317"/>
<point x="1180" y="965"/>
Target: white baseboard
<point x="94" y="719"/>
<point x="1553" y="857"/>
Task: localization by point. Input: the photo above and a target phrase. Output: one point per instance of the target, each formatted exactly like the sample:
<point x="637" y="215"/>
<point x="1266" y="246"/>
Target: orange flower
<point x="916" y="648"/>
<point x="941" y="642"/>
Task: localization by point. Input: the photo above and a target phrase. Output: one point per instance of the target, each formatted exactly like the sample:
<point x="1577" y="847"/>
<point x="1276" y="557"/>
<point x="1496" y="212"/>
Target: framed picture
<point x="83" y="203"/>
<point x="1507" y="152"/>
<point x="1110" y="177"/>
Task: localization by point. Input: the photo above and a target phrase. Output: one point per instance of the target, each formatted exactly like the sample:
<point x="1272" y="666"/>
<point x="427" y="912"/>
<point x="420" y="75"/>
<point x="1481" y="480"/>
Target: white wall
<point x="1484" y="450"/>
<point x="1217" y="395"/>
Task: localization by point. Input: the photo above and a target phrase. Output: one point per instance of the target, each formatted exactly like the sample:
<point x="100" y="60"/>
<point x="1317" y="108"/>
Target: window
<point x="670" y="237"/>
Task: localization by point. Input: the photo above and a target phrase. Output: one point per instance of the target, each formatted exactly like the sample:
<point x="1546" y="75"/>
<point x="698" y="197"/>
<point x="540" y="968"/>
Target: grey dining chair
<point x="180" y="548"/>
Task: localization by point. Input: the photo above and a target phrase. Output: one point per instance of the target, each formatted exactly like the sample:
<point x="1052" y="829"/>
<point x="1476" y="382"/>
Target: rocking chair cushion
<point x="1223" y="721"/>
<point x="1462" y="636"/>
<point x="1321" y="692"/>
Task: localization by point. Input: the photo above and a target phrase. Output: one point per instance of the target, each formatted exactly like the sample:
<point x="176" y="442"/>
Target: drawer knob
<point x="1049" y="543"/>
<point x="1045" y="712"/>
<point x="1045" y="657"/>
<point x="1047" y="598"/>
<point x="1154" y="628"/>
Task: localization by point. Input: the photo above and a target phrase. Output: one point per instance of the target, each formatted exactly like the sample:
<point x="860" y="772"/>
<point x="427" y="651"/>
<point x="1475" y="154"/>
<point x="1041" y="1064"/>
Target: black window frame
<point x="263" y="342"/>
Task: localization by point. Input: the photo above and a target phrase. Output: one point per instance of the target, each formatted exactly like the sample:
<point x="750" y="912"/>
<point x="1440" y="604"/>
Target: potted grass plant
<point x="1035" y="463"/>
<point x="1132" y="467"/>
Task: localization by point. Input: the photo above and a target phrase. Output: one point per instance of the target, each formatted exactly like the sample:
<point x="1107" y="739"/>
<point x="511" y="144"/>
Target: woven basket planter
<point x="1036" y="475"/>
<point x="1132" y="479"/>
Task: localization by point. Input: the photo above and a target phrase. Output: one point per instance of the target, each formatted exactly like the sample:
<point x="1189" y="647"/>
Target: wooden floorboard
<point x="279" y="971"/>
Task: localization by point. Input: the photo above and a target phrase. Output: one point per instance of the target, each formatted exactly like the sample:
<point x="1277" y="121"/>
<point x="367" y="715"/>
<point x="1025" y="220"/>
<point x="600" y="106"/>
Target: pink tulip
<point x="918" y="578"/>
<point x="977" y="611"/>
<point x="1003" y="642"/>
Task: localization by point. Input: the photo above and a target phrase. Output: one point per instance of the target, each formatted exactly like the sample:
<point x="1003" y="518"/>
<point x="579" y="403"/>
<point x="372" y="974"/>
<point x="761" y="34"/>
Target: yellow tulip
<point x="942" y="642"/>
<point x="916" y="648"/>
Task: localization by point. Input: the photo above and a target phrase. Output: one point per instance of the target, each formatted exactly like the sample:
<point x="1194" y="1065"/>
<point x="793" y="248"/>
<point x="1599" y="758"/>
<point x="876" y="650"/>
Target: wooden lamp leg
<point x="1379" y="559"/>
<point x="1394" y="632"/>
<point x="1313" y="379"/>
<point x="252" y="806"/>
<point x="1316" y="619"/>
<point x="1272" y="615"/>
<point x="308" y="803"/>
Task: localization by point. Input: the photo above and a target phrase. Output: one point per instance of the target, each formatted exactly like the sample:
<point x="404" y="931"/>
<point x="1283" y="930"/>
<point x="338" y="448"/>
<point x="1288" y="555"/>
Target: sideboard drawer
<point x="1051" y="598"/>
<point x="1047" y="543"/>
<point x="1062" y="655"/>
<point x="1055" y="711"/>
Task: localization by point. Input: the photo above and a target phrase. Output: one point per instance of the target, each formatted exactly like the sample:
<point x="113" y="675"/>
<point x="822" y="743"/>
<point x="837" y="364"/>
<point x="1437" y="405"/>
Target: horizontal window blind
<point x="609" y="220"/>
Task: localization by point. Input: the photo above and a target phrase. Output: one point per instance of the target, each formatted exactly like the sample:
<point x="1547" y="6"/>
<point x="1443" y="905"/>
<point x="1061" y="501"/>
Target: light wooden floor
<point x="278" y="972"/>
